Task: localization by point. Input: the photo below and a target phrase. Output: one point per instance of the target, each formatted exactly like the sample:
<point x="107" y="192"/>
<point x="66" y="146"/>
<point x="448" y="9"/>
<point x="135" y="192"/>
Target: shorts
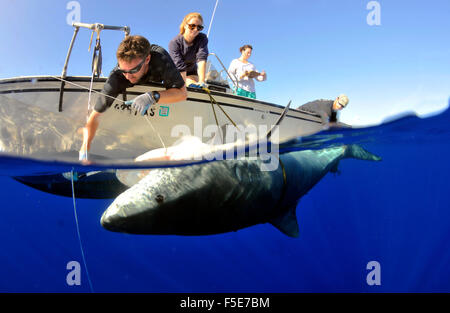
<point x="245" y="93"/>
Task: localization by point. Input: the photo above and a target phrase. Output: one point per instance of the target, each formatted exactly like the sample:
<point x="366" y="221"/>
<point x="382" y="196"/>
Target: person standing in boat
<point x="244" y="72"/>
<point x="138" y="62"/>
<point x="327" y="109"/>
<point x="189" y="50"/>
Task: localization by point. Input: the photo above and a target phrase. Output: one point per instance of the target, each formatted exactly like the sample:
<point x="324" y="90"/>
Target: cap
<point x="343" y="100"/>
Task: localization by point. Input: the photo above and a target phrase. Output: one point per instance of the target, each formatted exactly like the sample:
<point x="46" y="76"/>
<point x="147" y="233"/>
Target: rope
<point x="213" y="101"/>
<point x="78" y="233"/>
<point x="82" y="87"/>
<point x="217" y="121"/>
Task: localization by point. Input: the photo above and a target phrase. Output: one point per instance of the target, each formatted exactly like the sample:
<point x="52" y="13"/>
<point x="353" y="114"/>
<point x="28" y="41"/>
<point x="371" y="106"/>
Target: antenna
<point x="212" y="18"/>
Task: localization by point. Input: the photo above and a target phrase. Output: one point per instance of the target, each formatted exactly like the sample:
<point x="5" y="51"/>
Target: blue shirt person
<point x="189" y="50"/>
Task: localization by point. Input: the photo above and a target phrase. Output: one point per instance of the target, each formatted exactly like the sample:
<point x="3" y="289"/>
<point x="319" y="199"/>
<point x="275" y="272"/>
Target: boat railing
<point x="225" y="70"/>
<point x="96" y="59"/>
<point x="96" y="27"/>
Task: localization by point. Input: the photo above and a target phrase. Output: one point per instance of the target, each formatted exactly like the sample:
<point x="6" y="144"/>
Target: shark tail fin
<point x="358" y="152"/>
<point x="287" y="223"/>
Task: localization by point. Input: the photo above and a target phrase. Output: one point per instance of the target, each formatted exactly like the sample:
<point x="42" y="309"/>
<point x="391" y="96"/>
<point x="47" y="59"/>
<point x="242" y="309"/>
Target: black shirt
<point x="322" y="107"/>
<point x="161" y="70"/>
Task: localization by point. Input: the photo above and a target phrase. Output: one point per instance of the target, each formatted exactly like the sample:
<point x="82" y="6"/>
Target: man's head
<point x="133" y="56"/>
<point x="340" y="102"/>
<point x="246" y="51"/>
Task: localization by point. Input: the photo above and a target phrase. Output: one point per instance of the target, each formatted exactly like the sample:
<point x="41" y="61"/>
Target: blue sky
<point x="309" y="49"/>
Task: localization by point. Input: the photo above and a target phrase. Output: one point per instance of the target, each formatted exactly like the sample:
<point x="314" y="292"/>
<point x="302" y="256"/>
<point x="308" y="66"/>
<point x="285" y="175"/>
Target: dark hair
<point x="245" y="47"/>
<point x="133" y="47"/>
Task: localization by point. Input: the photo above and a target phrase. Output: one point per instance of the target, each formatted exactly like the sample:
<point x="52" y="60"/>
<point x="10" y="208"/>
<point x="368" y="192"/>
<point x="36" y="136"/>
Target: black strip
<point x="61" y="96"/>
<point x="214" y="302"/>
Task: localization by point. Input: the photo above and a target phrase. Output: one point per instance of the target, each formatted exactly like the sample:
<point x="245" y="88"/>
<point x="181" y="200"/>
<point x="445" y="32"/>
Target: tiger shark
<point x="224" y="196"/>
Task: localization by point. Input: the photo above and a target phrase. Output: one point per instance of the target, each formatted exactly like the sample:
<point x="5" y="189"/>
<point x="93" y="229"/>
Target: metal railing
<point x="225" y="69"/>
<point x="96" y="27"/>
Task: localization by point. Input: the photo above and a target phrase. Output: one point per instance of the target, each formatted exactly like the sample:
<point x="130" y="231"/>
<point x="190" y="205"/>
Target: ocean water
<point x="395" y="212"/>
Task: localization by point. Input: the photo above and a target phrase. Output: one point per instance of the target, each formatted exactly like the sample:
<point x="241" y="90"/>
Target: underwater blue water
<point x="395" y="212"/>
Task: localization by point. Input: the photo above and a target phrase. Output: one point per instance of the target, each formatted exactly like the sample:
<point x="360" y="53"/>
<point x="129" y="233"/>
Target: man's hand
<point x="142" y="103"/>
<point x="83" y="155"/>
<point x="245" y="74"/>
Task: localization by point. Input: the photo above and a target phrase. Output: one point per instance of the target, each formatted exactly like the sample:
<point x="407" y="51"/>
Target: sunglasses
<point x="134" y="70"/>
<point x="193" y="26"/>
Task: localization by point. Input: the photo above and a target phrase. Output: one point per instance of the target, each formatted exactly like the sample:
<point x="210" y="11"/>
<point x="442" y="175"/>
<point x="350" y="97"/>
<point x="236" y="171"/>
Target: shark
<point x="224" y="196"/>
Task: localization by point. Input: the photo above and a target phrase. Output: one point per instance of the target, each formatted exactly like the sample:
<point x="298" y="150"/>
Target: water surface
<point x="395" y="212"/>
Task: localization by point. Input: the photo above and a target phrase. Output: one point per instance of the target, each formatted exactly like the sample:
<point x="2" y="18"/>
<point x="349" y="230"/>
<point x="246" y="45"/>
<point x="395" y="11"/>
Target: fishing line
<point x="82" y="87"/>
<point x="78" y="233"/>
<point x="160" y="139"/>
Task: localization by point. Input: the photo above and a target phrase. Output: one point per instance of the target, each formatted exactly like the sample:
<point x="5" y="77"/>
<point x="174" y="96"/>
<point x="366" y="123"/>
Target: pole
<point x="212" y="18"/>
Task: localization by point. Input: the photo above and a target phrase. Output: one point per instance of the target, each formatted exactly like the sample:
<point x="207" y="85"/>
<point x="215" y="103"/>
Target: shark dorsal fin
<point x="280" y="119"/>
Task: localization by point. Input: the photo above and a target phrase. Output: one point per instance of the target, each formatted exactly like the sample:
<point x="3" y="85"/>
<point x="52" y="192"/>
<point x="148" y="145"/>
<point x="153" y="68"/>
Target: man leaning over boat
<point x="138" y="62"/>
<point x="327" y="109"/>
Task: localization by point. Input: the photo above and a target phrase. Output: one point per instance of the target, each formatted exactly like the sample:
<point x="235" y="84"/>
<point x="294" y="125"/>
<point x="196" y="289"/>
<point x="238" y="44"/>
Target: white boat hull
<point x="32" y="122"/>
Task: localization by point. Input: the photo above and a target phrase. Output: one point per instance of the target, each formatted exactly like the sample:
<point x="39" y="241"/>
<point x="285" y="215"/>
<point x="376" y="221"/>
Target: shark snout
<point x="112" y="221"/>
<point x="132" y="215"/>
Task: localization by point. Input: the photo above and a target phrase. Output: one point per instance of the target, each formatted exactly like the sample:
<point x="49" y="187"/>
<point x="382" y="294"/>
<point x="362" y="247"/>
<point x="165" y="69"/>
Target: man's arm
<point x="201" y="57"/>
<point x="89" y="131"/>
<point x="172" y="95"/>
<point x="201" y="71"/>
<point x="183" y="75"/>
<point x="232" y="70"/>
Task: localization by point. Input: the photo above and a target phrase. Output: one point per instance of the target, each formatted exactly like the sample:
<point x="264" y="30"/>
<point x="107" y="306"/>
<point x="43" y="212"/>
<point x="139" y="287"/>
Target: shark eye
<point x="159" y="198"/>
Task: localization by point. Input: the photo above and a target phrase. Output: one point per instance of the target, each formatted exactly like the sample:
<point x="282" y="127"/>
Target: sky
<point x="388" y="56"/>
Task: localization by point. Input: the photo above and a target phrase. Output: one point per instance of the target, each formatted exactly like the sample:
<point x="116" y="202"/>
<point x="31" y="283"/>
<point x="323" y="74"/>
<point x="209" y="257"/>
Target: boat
<point x="43" y="116"/>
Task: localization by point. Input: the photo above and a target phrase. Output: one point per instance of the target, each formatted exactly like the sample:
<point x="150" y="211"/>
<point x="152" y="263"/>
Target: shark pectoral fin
<point x="287" y="223"/>
<point x="335" y="169"/>
<point x="357" y="152"/>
